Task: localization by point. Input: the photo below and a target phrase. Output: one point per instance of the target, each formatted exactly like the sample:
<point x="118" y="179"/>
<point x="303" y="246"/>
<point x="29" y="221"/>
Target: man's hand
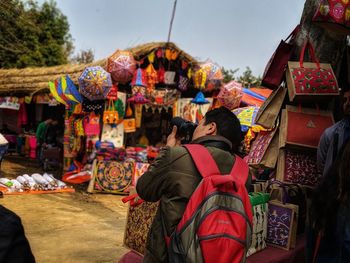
<point x="172" y="140"/>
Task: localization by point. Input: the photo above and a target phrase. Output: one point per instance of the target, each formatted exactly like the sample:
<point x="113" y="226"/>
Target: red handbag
<point x="275" y="68"/>
<point x="305" y="126"/>
<point x="305" y="79"/>
<point x="334" y="15"/>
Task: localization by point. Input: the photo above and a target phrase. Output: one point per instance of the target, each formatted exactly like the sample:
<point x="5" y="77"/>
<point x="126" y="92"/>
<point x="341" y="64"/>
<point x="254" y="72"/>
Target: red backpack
<point x="217" y="223"/>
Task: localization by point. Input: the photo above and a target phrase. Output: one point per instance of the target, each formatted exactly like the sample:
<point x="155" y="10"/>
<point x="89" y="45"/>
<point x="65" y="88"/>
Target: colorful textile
<point x="138" y="223"/>
<point x="140" y="169"/>
<point x="281" y="225"/>
<point x="259" y="146"/>
<point x="301" y="168"/>
<point x="113" y="177"/>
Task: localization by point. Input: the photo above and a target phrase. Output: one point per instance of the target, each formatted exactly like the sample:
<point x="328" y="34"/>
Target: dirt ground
<point x="68" y="227"/>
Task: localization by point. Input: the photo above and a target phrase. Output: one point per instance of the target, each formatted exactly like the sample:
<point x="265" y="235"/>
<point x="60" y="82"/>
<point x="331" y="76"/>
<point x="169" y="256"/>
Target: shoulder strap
<point x="240" y="170"/>
<point x="202" y="159"/>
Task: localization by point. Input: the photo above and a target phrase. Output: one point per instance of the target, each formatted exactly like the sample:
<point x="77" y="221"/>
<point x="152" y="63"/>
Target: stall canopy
<point x="27" y="81"/>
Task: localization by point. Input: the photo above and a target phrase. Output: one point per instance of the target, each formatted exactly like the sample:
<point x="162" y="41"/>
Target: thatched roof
<point x="19" y="82"/>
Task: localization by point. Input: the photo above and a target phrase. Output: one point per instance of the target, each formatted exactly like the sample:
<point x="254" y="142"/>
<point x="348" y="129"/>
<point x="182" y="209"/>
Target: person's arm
<point x="322" y="151"/>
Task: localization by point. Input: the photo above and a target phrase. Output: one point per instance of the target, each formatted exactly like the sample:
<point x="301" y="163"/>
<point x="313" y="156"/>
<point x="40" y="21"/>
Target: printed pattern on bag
<point x="279" y="224"/>
<point x="314" y="80"/>
<point x="259" y="229"/>
<point x="334" y="11"/>
<point x="140" y="169"/>
<point x="113" y="176"/>
<point x="301" y="168"/>
<point x="138" y="223"/>
<point x="259" y="147"/>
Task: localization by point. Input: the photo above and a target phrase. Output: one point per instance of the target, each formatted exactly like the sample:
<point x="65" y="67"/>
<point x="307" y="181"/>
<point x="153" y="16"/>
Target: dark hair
<point x="332" y="192"/>
<point x="227" y="125"/>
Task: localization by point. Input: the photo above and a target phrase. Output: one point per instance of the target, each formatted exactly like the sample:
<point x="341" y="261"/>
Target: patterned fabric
<point x="138" y="223"/>
<point x="301" y="168"/>
<point x="140" y="169"/>
<point x="259" y="146"/>
<point x="280" y="225"/>
<point x="314" y="80"/>
<point x="259" y="228"/>
<point x="113" y="176"/>
<point x="335" y="11"/>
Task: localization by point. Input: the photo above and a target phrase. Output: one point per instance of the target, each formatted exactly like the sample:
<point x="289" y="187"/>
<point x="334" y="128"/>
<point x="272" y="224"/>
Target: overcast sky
<point x="233" y="33"/>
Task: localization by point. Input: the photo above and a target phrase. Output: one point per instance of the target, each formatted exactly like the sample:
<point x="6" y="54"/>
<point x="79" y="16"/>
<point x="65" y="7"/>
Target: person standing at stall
<point x="334" y="138"/>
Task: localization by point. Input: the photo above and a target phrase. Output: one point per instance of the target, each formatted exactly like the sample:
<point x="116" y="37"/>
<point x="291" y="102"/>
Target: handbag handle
<point x="281" y="185"/>
<point x="312" y="54"/>
<point x="294" y="33"/>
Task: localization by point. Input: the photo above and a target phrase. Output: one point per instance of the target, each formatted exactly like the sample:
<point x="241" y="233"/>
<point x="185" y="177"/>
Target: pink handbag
<point x="92" y="124"/>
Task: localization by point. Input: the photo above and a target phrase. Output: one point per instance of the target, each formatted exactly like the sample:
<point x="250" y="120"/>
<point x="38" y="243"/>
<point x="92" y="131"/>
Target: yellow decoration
<point x="200" y="77"/>
<point x="151" y="57"/>
<point x="128" y="111"/>
<point x="55" y="94"/>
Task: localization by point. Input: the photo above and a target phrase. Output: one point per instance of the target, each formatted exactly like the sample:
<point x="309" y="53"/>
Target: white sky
<point x="233" y="33"/>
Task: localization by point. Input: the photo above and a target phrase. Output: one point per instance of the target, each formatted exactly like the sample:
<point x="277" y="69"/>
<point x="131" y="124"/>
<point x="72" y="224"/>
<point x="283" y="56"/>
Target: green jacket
<point x="172" y="179"/>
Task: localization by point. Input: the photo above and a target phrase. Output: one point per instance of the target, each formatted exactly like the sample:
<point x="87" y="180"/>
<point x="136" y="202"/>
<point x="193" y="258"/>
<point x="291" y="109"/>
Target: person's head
<point x="223" y="122"/>
<point x="54" y="122"/>
<point x="346" y="102"/>
<point x="49" y="121"/>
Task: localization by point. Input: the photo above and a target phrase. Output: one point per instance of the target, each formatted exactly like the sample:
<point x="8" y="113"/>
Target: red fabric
<point x="335" y="11"/>
<point x="306" y="129"/>
<point x="232" y="250"/>
<point x="131" y="257"/>
<point x="263" y="92"/>
<point x="274" y="71"/>
<point x="277" y="255"/>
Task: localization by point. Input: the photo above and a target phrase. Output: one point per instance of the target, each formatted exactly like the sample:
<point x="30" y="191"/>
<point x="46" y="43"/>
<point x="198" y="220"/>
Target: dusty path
<point x="69" y="227"/>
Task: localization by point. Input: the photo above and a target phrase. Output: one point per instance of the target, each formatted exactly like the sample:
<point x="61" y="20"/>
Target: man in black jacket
<point x="14" y="246"/>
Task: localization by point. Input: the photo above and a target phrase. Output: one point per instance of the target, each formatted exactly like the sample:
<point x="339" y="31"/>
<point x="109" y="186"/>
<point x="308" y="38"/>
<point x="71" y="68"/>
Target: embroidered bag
<point x="334" y="15"/>
<point x="110" y="115"/>
<point x="282" y="223"/>
<point x="305" y="79"/>
<point x="92" y="124"/>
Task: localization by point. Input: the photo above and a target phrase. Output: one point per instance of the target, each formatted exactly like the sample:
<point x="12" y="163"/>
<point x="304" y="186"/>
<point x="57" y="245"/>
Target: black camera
<point x="185" y="129"/>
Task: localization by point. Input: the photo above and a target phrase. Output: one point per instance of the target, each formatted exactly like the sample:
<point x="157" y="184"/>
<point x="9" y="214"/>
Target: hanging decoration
<point x="151" y="77"/>
<point x="122" y="66"/>
<point x="95" y="83"/>
<point x="200" y="99"/>
<point x="138" y="79"/>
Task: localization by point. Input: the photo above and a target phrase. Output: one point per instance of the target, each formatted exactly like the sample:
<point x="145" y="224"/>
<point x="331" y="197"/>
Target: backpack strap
<point x="240" y="170"/>
<point x="203" y="160"/>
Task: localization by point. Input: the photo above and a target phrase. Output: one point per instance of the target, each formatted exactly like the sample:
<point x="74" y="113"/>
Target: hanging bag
<point x="110" y="115"/>
<point x="92" y="124"/>
<point x="334" y="15"/>
<point x="274" y="71"/>
<point x="305" y="79"/>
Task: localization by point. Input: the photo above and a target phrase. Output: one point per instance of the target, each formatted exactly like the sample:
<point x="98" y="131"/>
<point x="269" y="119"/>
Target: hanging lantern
<point x="200" y="99"/>
<point x="200" y="77"/>
<point x="139" y="79"/>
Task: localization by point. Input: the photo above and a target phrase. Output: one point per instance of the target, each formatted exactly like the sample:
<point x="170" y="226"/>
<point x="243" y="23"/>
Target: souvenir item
<point x="247" y="116"/>
<point x="282" y="225"/>
<point x="129" y="125"/>
<point x="95" y="83"/>
<point x="276" y="67"/>
<point x="260" y="146"/>
<point x="230" y="95"/>
<point x="298" y="167"/>
<point x="334" y="15"/>
<point x="260" y="210"/>
<point x="92" y="124"/>
<point x="113" y="93"/>
<point x="140" y="169"/>
<point x="200" y="99"/>
<point x="95" y="106"/>
<point x="112" y="176"/>
<point x="121" y="65"/>
<point x="183" y="83"/>
<point x="113" y="134"/>
<point x="138" y="223"/>
<point x="304" y="127"/>
<point x="139" y="78"/>
<point x="169" y="77"/>
<point x="269" y="111"/>
<point x="110" y="115"/>
<point x="151" y="77"/>
<point x="305" y="79"/>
